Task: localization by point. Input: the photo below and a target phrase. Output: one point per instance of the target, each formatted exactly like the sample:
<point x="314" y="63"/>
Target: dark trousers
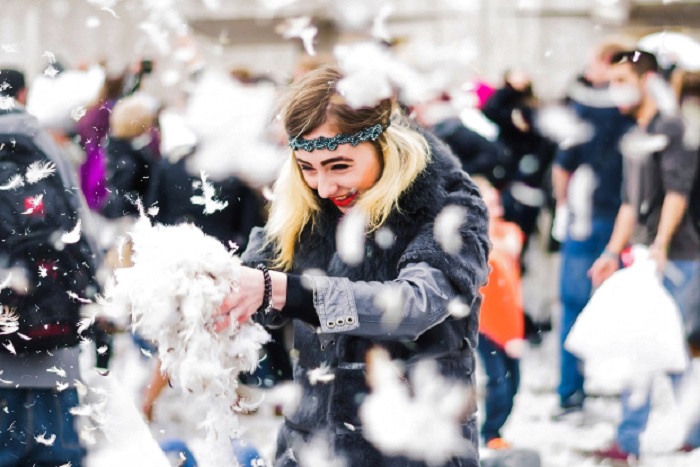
<point x="503" y="373"/>
<point x="28" y="413"/>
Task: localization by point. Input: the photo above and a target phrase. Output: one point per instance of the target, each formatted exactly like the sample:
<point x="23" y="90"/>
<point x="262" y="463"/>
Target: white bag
<point x="630" y="330"/>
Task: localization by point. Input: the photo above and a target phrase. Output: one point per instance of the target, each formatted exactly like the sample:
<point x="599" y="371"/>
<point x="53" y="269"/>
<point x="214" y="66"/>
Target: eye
<point x="306" y="168"/>
<point x="340" y="167"/>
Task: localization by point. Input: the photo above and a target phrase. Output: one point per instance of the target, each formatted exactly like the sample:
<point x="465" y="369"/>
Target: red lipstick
<point x="345" y="201"/>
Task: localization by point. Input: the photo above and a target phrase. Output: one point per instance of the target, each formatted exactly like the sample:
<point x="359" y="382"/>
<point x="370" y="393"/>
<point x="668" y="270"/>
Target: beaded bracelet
<point x="267" y="297"/>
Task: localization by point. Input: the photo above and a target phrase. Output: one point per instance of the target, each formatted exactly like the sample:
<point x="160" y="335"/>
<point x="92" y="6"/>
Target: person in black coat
<point x="129" y="158"/>
<point x="513" y="109"/>
<point x="344" y="162"/>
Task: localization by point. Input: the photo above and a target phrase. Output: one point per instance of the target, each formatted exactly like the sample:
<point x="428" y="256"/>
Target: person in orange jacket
<point x="502" y="322"/>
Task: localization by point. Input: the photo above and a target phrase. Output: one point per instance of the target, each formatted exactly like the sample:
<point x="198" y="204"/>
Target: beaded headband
<point x="370" y="133"/>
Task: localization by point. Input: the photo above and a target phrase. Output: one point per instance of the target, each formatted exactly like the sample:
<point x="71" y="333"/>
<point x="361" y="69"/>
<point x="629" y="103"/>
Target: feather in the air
<point x="16" y="181"/>
<point x="42" y="439"/>
<point x="74" y="235"/>
<point x="39" y="170"/>
<point x="59" y="371"/>
<point x="9" y="320"/>
<point x="211" y="205"/>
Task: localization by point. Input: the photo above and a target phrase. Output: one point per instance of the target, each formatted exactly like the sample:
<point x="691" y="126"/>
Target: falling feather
<point x="59" y="371"/>
<point x="85" y="323"/>
<point x="301" y="28"/>
<point x="10" y="348"/>
<point x="74" y="235"/>
<point x="15" y="182"/>
<point x="51" y="71"/>
<point x="9" y="320"/>
<point x="6" y="282"/>
<point x="42" y="439"/>
<point x="110" y="11"/>
<point x="350" y="237"/>
<point x="42" y="271"/>
<point x="61" y="386"/>
<point x="458" y="308"/>
<point x="211" y="205"/>
<point x="4" y="381"/>
<point x="423" y="420"/>
<point x="77" y="297"/>
<point x="39" y="170"/>
<point x="49" y="56"/>
<point x="562" y="125"/>
<point x="379" y="27"/>
<point x="322" y="374"/>
<point x="447" y="228"/>
<point x="34" y="203"/>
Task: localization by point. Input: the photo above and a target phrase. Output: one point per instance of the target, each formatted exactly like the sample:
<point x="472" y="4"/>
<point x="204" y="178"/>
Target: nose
<point x="326" y="187"/>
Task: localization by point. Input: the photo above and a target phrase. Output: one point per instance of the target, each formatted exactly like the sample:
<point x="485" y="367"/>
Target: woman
<point x="366" y="159"/>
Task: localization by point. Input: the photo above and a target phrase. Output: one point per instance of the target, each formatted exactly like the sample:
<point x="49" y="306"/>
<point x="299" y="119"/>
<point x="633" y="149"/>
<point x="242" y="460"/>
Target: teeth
<point x="344" y="197"/>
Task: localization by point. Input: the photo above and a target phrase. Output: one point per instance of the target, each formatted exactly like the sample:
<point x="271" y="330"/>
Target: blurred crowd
<point x="612" y="164"/>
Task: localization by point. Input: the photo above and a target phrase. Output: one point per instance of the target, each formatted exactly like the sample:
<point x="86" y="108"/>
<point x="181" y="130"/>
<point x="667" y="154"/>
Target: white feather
<point x="447" y="228"/>
<point x="34" y="203"/>
<point x="42" y="439"/>
<point x="9" y="321"/>
<point x="77" y="297"/>
<point x="39" y="170"/>
<point x="50" y="56"/>
<point x="172" y="293"/>
<point x="211" y="205"/>
<point x="15" y="182"/>
<point x="74" y="235"/>
<point x="301" y="28"/>
<point x="10" y="348"/>
<point x="423" y="420"/>
<point x="59" y="371"/>
<point x="350" y="236"/>
<point x="6" y="282"/>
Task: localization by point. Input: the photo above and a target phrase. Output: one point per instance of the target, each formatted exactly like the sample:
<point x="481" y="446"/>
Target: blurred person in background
<point x="658" y="179"/>
<point x="585" y="234"/>
<point x="129" y="158"/>
<point x="92" y="130"/>
<point x="12" y="85"/>
<point x="39" y="372"/>
<point x="513" y="108"/>
<point x="502" y="323"/>
<point x="478" y="155"/>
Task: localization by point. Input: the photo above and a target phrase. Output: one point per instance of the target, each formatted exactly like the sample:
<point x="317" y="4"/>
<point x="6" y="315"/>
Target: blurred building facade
<point x="465" y="38"/>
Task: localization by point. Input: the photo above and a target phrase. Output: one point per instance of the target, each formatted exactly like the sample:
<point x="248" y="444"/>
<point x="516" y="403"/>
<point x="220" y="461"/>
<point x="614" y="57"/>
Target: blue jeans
<point x="575" y="289"/>
<point x="27" y="413"/>
<point x="503" y="375"/>
<point x="635" y="418"/>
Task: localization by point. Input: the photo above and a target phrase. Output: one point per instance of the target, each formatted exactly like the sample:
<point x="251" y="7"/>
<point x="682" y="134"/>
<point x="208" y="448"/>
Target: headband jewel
<point x="370" y="133"/>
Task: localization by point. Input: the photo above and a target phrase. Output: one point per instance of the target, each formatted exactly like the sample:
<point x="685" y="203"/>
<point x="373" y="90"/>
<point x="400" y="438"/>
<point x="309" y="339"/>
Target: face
<point x="343" y="175"/>
<point x="626" y="88"/>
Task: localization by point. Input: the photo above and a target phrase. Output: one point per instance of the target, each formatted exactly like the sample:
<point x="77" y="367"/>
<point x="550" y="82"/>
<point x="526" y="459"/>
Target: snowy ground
<point x="560" y="443"/>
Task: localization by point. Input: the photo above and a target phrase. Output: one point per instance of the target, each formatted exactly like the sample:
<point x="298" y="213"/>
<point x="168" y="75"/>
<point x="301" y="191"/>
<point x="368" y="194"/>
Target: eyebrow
<point x="327" y="161"/>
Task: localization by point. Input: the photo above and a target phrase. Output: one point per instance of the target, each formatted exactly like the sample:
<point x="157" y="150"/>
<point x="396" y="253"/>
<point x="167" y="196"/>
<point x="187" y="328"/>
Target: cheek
<point x="309" y="179"/>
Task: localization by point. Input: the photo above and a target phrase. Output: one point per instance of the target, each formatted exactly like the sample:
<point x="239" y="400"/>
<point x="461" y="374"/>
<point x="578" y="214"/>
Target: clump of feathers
<point x="172" y="292"/>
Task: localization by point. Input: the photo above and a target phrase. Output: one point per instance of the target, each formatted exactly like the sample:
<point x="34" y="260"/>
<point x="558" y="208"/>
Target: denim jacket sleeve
<point x="403" y="308"/>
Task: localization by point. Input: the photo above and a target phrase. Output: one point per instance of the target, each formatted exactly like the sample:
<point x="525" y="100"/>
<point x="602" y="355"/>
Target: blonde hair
<point x="131" y="116"/>
<point x="311" y="102"/>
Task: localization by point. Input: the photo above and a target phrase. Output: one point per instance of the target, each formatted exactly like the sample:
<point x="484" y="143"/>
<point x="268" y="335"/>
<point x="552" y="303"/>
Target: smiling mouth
<point x="345" y="200"/>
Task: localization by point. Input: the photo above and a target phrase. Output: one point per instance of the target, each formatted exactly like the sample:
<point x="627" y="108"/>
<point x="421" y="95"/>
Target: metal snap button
<point x="330" y="324"/>
<point x="340" y="321"/>
<point x="350" y="320"/>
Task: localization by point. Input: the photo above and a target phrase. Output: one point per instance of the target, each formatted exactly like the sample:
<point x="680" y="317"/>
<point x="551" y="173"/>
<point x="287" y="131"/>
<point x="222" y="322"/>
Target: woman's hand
<point x="242" y="304"/>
